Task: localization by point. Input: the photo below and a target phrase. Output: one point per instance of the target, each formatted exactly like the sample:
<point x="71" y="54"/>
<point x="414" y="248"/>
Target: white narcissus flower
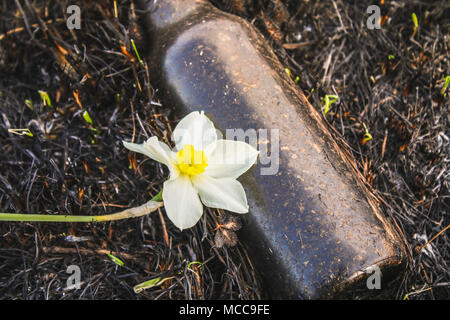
<point x="201" y="168"/>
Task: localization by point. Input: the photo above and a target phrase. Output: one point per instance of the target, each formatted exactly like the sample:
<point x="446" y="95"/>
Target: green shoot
<point x="29" y="104"/>
<point x="45" y="98"/>
<point x="367" y="135"/>
<point x="415" y="21"/>
<point x="329" y="100"/>
<point x="195" y="262"/>
<point x="136" y="52"/>
<point x="150" y="284"/>
<point x="21" y="132"/>
<point x="416" y="24"/>
<point x="116" y="260"/>
<point x="87" y="117"/>
<point x="158" y="197"/>
<point x="288" y="72"/>
<point x="391" y="57"/>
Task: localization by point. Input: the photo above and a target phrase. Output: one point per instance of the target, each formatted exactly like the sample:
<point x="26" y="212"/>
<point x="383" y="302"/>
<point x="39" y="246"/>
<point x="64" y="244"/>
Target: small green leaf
<point x="87" y="117"/>
<point x="415" y="21"/>
<point x="45" y="98"/>
<point x="391" y="57"/>
<point x="297" y="79"/>
<point x="158" y="197"/>
<point x="29" y="104"/>
<point x="329" y="100"/>
<point x="288" y="72"/>
<point x="116" y="260"/>
<point x="150" y="284"/>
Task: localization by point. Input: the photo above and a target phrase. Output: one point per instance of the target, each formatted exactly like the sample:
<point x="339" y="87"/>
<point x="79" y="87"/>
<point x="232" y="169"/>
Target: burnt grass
<point x="389" y="82"/>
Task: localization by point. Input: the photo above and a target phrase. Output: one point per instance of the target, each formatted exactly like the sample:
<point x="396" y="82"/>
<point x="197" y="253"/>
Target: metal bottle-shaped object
<point x="313" y="229"/>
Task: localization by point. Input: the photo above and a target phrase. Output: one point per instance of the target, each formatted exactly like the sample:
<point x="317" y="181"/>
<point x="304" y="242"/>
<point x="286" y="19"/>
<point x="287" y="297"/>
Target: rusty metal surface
<point x="311" y="225"/>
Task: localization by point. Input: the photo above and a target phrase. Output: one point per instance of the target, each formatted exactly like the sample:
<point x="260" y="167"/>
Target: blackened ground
<point x="387" y="80"/>
<point x="71" y="166"/>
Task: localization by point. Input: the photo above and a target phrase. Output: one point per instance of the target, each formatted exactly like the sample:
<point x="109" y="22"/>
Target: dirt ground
<point x="392" y="111"/>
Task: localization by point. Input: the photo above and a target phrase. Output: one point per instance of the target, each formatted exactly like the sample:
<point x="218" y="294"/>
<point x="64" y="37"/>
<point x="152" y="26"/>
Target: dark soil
<point x="387" y="80"/>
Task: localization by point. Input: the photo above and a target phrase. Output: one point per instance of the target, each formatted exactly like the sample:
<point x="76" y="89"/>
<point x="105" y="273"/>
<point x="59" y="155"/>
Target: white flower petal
<point x="224" y="193"/>
<point x="230" y="159"/>
<point x="195" y="129"/>
<point x="157" y="151"/>
<point x="181" y="201"/>
<point x="152" y="148"/>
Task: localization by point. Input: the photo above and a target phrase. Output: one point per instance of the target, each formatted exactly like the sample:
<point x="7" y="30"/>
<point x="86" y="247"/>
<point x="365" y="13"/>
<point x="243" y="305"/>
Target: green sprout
<point x="415" y="21"/>
<point x="158" y="197"/>
<point x="195" y="262"/>
<point x="329" y="100"/>
<point x="45" y="98"/>
<point x="21" y="132"/>
<point x="150" y="284"/>
<point x="288" y="72"/>
<point x="444" y="88"/>
<point x="416" y="24"/>
<point x="116" y="260"/>
<point x="87" y="117"/>
<point x="391" y="57"/>
<point x="29" y="104"/>
<point x="136" y="52"/>
<point x="367" y="135"/>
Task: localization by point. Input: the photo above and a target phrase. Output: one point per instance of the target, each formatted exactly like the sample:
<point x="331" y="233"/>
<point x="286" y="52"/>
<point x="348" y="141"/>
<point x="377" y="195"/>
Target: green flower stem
<point x="143" y="210"/>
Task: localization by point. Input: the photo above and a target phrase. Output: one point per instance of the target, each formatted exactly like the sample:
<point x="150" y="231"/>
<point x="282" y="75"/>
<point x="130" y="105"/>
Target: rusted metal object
<point x="313" y="227"/>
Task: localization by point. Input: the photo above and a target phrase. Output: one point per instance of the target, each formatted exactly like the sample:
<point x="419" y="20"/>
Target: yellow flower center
<point x="191" y="161"/>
